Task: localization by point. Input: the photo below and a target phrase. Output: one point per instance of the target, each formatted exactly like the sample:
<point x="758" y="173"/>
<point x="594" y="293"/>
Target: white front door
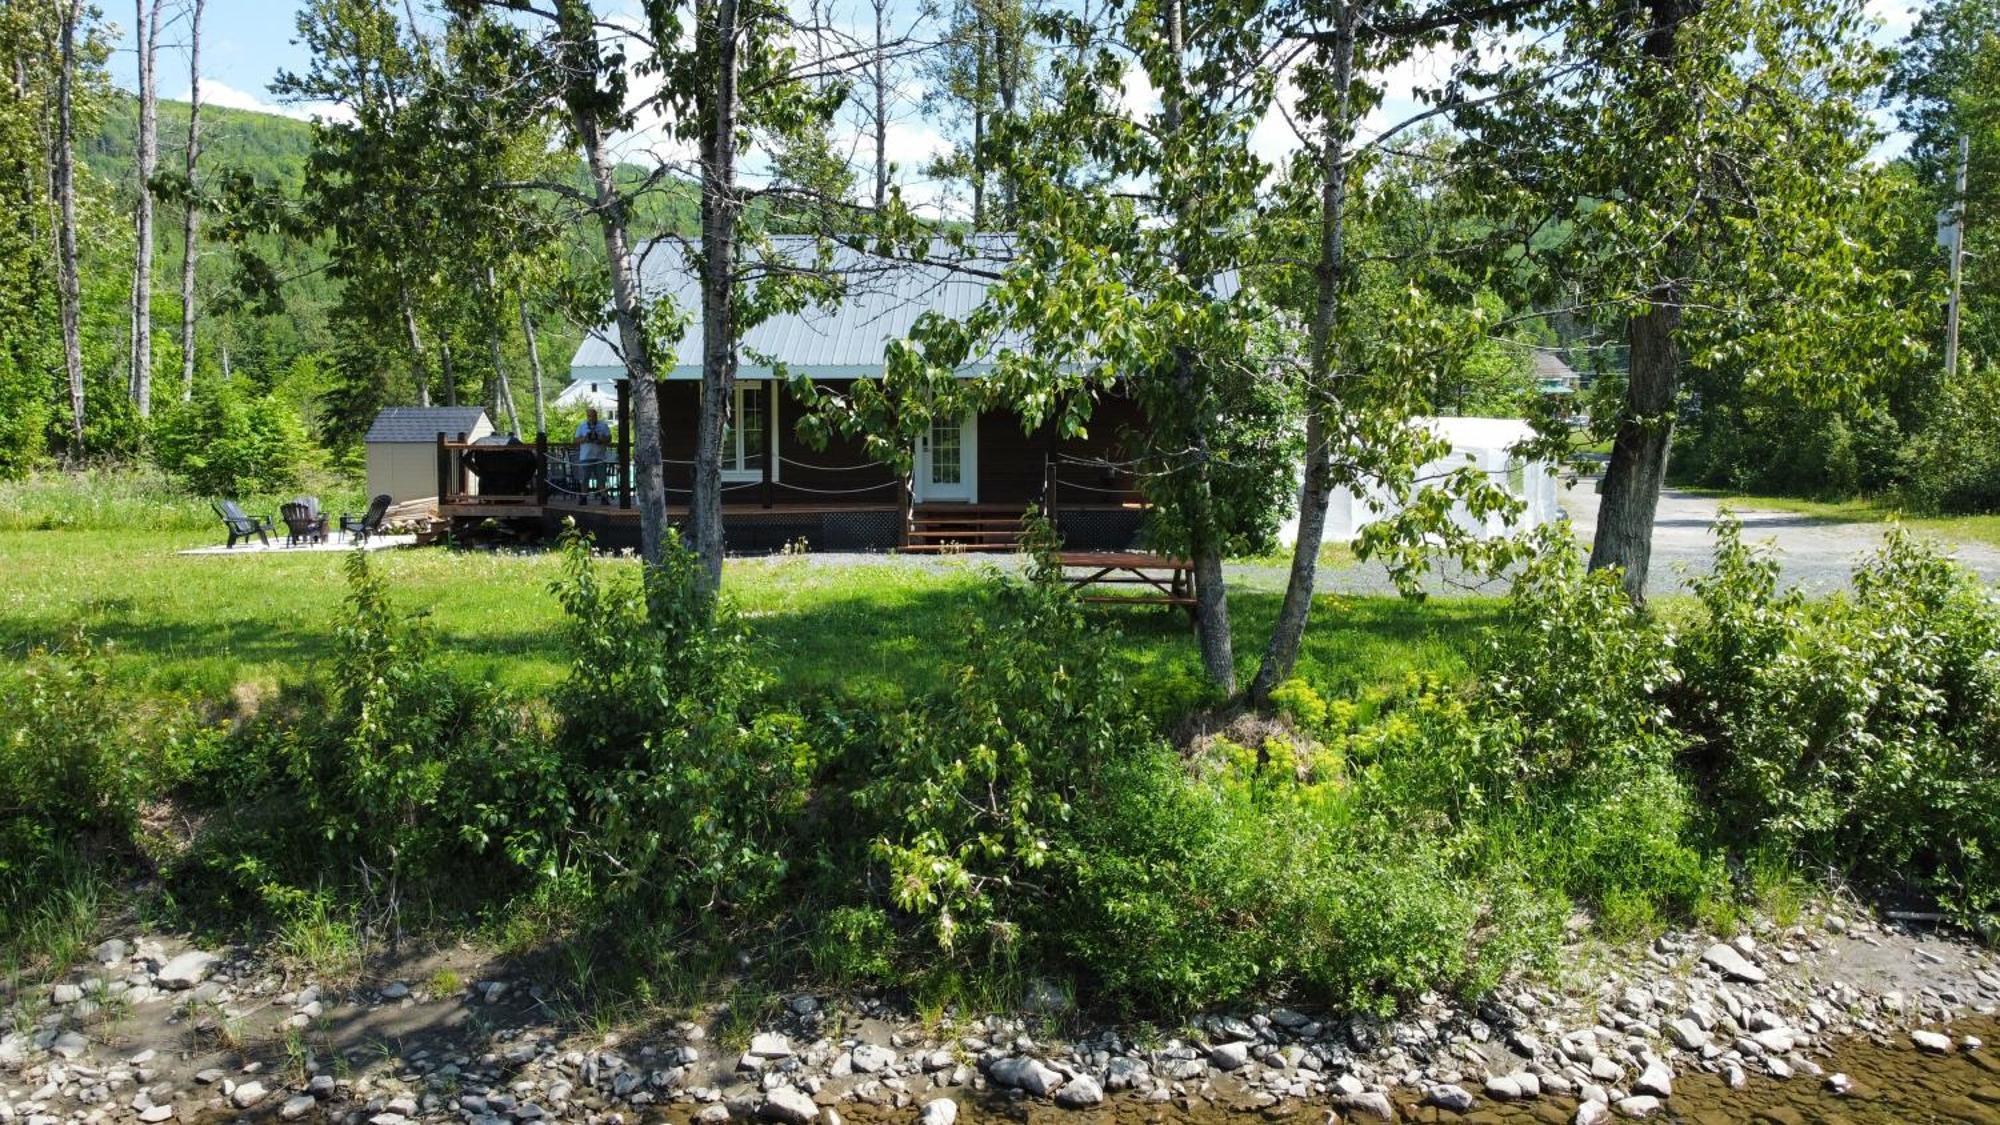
<point x="948" y="460"/>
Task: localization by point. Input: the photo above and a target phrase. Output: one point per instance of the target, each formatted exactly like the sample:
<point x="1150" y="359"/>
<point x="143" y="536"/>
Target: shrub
<point x="689" y="777"/>
<point x="973" y="790"/>
<point x="227" y="441"/>
<point x="1951" y="463"/>
<point x="70" y="778"/>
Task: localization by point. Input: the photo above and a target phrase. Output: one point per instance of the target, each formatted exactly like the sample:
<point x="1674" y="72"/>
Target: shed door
<point x="948" y="460"/>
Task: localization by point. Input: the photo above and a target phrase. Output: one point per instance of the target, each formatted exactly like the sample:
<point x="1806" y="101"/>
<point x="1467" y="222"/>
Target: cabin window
<point x="746" y="437"/>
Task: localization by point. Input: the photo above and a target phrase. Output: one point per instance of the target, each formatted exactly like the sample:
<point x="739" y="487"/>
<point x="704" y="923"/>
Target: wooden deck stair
<point x="950" y="528"/>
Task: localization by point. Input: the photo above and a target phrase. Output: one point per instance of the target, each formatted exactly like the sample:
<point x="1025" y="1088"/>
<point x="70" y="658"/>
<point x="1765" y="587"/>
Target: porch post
<point x="444" y="470"/>
<point x="770" y="440"/>
<point x="459" y="458"/>
<point x="1051" y="440"/>
<point x="542" y="468"/>
<point x="625" y="442"/>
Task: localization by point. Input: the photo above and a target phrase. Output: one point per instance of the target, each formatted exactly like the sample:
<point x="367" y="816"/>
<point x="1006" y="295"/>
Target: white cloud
<point x="229" y="97"/>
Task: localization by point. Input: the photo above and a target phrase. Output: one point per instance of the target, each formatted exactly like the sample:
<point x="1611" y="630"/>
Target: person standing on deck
<point x="593" y="448"/>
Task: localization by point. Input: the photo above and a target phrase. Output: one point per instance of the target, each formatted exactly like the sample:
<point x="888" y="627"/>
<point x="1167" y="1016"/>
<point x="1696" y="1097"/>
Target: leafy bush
<point x="974" y="788"/>
<point x="227" y="441"/>
<point x="1861" y="732"/>
<point x="1952" y="464"/>
<point x="70" y="777"/>
<point x="390" y="777"/>
<point x="688" y="775"/>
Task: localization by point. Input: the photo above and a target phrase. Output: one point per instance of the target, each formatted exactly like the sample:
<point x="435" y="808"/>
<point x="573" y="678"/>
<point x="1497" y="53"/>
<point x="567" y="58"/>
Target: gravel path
<point x="1815" y="554"/>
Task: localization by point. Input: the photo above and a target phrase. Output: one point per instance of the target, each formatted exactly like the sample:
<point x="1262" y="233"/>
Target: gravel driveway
<point x="1815" y="554"/>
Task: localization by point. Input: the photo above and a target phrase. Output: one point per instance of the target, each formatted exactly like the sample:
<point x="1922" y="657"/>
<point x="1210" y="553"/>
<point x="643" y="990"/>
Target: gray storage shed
<point x="402" y="446"/>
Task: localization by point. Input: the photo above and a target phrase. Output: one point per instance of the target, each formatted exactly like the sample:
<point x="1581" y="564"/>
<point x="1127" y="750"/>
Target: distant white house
<point x="1482" y="442"/>
<point x="1552" y="375"/>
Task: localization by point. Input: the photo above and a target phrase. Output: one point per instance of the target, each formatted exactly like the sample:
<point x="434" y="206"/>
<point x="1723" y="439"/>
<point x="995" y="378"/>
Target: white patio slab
<point x="277" y="546"/>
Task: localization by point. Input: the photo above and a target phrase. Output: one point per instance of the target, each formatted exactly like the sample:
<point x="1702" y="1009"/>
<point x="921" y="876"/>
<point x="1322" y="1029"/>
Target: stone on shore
<point x="1657" y="1079"/>
<point x="1369" y="1103"/>
<point x="1732" y="964"/>
<point x="1079" y="1092"/>
<point x="943" y="1111"/>
<point x="1450" y="1097"/>
<point x="1023" y="1073"/>
<point x="1931" y="1041"/>
<point x="1591" y="1113"/>
<point x="247" y="1094"/>
<point x="790" y="1105"/>
<point x="297" y="1106"/>
<point x="1229" y="1056"/>
<point x="1639" y="1105"/>
<point x="188" y="970"/>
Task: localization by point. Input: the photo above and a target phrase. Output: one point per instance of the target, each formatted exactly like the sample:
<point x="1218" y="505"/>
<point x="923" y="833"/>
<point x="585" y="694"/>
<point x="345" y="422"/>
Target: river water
<point x="1892" y="1083"/>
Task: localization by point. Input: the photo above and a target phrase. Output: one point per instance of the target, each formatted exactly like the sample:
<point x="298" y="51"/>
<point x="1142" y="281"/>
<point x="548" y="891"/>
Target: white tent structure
<point x="1481" y="442"/>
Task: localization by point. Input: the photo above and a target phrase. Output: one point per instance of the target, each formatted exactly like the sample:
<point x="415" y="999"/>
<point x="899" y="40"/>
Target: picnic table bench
<point x="1130" y="568"/>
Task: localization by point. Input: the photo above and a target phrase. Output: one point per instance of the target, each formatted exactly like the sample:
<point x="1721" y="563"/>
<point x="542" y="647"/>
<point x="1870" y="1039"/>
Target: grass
<point x="880" y="628"/>
<point x="1959" y="529"/>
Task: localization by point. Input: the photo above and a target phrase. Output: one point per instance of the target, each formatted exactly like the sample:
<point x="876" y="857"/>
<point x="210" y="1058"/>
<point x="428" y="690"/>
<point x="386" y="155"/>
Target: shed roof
<point x="1550" y="367"/>
<point x="423" y="423"/>
<point x="845" y="340"/>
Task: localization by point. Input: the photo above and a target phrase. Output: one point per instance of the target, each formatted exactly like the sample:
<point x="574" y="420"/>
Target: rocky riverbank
<point x="154" y="1031"/>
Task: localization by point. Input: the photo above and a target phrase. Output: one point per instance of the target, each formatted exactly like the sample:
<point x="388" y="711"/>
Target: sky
<point x="246" y="43"/>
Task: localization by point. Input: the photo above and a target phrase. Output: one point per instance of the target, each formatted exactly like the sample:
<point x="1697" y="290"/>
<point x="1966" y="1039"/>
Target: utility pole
<point x="1957" y="259"/>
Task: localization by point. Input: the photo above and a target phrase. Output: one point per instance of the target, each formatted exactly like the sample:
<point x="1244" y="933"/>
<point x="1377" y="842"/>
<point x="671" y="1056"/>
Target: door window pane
<point x="947" y="451"/>
<point x="751" y="417"/>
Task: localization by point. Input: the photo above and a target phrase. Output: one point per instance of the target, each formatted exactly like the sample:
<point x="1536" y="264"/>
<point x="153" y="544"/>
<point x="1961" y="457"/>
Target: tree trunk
<point x="191" y="217"/>
<point x="534" y="364"/>
<point x="446" y="373"/>
<point x="1639" y="453"/>
<point x="718" y="289"/>
<point x="1281" y="655"/>
<point x="65" y="185"/>
<point x="628" y="310"/>
<point x="978" y="122"/>
<point x="423" y="370"/>
<point x="880" y="71"/>
<point x="148" y="31"/>
<point x="502" y="390"/>
<point x="1211" y="591"/>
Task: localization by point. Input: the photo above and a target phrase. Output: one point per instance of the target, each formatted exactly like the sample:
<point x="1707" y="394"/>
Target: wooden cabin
<point x="974" y="477"/>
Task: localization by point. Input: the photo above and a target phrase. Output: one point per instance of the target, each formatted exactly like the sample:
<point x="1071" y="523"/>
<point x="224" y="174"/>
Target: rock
<point x="153" y="1115"/>
<point x="943" y="1111"/>
<point x="1508" y="1087"/>
<point x="395" y="990"/>
<point x="247" y="1094"/>
<point x="1733" y="965"/>
<point x="321" y="1086"/>
<point x="713" y="1114"/>
<point x="1229" y="1056"/>
<point x="1079" y="1092"/>
<point x="770" y="1045"/>
<point x="1778" y="1040"/>
<point x="1370" y="1103"/>
<point x="1591" y="1113"/>
<point x="1231" y="1029"/>
<point x="72" y="1045"/>
<point x="1124" y="1073"/>
<point x="208" y="1077"/>
<point x="111" y="952"/>
<point x="187" y="970"/>
<point x="297" y="1106"/>
<point x="1839" y="1083"/>
<point x="868" y="1058"/>
<point x="1023" y="1073"/>
<point x="1687" y="1034"/>
<point x="790" y="1105"/>
<point x="1657" y="1079"/>
<point x="1449" y="1097"/>
<point x="1931" y="1041"/>
<point x="1639" y="1105"/>
<point x="65" y="994"/>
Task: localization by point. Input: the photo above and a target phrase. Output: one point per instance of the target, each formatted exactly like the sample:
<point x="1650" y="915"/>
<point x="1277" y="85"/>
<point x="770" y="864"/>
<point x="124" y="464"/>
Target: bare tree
<point x="64" y="166"/>
<point x="148" y="31"/>
<point x="191" y="214"/>
<point x="534" y="362"/>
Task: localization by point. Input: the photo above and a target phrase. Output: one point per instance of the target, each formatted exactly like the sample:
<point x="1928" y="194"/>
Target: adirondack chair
<point x="303" y="521"/>
<point x="359" y="528"/>
<point x="241" y="526"/>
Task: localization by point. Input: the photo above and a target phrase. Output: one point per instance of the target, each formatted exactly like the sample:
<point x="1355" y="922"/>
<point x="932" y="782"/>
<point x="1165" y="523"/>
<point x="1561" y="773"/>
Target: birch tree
<point x="191" y="208"/>
<point x="147" y="32"/>
<point x="63" y="177"/>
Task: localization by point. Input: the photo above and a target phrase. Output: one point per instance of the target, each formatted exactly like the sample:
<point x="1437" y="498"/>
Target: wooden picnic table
<point x="1170" y="581"/>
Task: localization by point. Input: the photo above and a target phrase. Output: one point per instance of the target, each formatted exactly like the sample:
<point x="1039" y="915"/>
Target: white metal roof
<point x="845" y="340"/>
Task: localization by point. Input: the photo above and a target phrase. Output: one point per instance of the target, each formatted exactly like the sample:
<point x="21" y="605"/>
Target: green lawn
<point x="1962" y="529"/>
<point x="880" y="627"/>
